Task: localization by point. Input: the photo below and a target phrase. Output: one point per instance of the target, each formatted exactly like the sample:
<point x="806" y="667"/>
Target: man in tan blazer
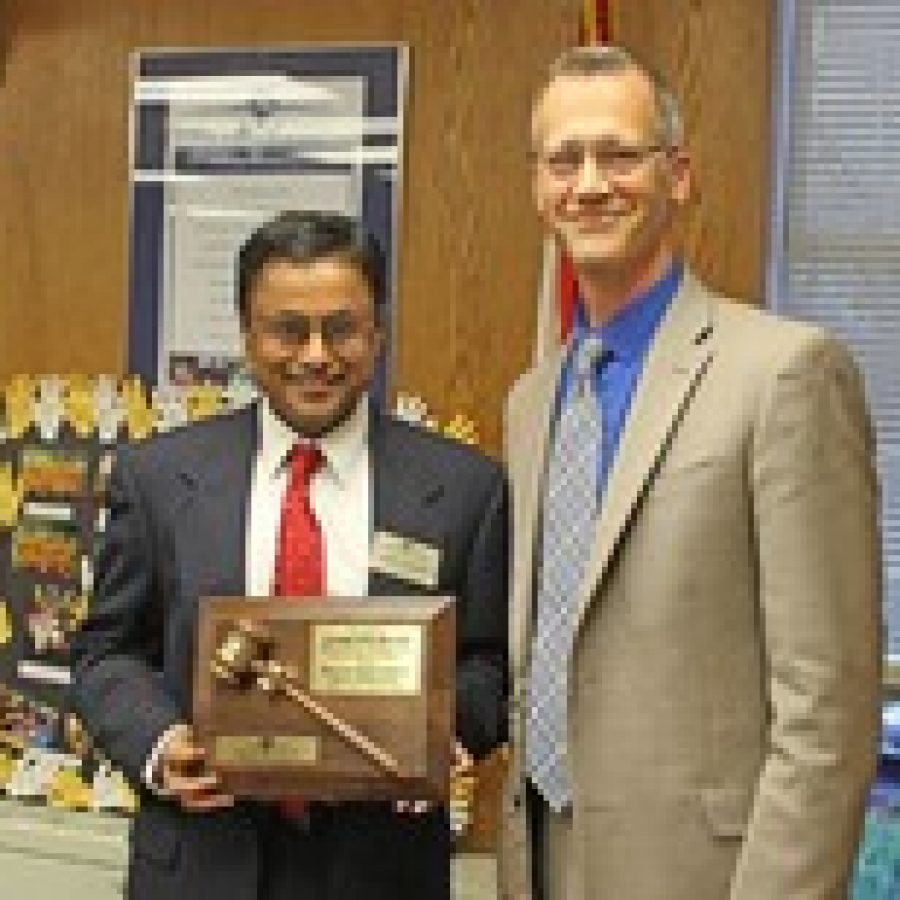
<point x="695" y="634"/>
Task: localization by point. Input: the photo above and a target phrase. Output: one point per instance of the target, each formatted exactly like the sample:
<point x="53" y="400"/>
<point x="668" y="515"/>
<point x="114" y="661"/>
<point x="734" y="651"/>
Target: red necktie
<point x="300" y="557"/>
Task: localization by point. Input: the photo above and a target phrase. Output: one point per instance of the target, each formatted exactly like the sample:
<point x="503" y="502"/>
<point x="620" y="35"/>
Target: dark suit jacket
<point x="176" y="533"/>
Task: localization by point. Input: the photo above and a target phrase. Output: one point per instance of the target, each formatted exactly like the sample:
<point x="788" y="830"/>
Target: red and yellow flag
<point x="559" y="287"/>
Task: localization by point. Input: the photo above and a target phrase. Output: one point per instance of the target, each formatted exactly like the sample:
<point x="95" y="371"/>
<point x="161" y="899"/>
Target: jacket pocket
<point x="726" y="809"/>
<point x="156" y="837"/>
<point x="690" y="473"/>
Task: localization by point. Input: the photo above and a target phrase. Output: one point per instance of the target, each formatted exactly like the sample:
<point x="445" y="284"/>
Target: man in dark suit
<point x="222" y="508"/>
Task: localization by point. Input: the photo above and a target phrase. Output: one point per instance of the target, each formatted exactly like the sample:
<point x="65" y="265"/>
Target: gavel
<point x="244" y="660"/>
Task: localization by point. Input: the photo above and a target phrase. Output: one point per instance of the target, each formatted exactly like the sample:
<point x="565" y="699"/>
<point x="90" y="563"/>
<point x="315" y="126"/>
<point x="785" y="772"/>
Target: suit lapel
<point x="404" y="489"/>
<point x="216" y="488"/>
<point x="527" y="456"/>
<point x="675" y="366"/>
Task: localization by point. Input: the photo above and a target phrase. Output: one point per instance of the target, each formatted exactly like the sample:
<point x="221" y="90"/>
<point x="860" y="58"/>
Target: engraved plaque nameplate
<point x="381" y="658"/>
<point x="267" y="749"/>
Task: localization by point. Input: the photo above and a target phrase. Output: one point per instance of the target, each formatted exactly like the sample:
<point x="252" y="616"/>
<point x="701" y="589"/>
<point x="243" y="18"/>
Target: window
<point x="835" y="255"/>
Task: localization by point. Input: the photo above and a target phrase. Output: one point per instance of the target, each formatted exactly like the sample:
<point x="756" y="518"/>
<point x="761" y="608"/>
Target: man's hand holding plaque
<point x="462" y="793"/>
<point x="184" y="776"/>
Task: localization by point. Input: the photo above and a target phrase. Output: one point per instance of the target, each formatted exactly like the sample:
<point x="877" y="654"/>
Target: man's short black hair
<point x="303" y="237"/>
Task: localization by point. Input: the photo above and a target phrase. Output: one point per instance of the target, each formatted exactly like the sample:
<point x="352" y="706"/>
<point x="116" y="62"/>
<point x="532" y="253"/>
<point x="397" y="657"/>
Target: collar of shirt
<point x="627" y="335"/>
<point x="341" y="446"/>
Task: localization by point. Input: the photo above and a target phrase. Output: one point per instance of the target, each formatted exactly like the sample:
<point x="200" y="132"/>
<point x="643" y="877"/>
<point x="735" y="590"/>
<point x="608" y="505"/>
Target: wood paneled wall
<point x="717" y="56"/>
<point x="469" y="247"/>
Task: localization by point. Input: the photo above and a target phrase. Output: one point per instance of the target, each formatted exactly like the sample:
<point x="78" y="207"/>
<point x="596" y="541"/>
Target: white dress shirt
<point x="341" y="500"/>
<point x="340" y="495"/>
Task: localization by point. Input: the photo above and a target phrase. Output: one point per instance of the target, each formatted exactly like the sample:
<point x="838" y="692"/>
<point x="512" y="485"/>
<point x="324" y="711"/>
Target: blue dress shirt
<point x="627" y="337"/>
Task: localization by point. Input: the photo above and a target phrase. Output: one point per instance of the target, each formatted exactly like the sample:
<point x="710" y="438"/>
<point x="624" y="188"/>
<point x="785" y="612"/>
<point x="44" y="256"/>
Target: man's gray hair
<point x="605" y="59"/>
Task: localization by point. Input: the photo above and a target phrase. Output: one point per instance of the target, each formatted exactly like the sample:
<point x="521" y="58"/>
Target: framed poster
<point x="222" y="140"/>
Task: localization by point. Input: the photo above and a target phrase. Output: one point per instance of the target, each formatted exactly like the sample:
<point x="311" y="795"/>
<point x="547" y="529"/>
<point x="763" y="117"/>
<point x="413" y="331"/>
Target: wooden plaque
<point x="327" y="698"/>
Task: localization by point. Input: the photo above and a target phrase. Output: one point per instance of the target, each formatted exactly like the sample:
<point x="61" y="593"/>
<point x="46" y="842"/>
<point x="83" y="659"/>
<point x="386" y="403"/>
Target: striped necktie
<point x="568" y="522"/>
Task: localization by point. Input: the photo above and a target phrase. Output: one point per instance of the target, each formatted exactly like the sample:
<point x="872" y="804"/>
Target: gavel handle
<point x="344" y="729"/>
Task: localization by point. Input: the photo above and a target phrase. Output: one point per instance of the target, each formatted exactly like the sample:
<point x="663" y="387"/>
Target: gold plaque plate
<point x="383" y="659"/>
<point x="267" y="749"/>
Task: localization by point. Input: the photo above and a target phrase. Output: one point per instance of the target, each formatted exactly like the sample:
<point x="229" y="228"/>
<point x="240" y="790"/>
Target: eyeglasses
<point x="339" y="331"/>
<point x="615" y="160"/>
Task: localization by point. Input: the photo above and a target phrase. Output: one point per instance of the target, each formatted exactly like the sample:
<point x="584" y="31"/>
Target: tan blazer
<point x="725" y="678"/>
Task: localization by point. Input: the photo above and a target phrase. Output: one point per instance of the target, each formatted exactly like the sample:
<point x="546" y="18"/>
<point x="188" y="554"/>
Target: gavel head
<point x="238" y="655"/>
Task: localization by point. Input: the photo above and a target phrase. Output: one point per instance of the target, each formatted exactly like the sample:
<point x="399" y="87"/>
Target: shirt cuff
<point x="150" y="772"/>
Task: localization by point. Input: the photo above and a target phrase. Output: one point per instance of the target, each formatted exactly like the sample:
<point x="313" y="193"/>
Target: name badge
<point x="405" y="558"/>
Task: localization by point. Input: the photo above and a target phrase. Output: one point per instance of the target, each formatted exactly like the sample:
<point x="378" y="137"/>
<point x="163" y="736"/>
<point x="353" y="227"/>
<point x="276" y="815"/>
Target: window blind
<point x="836" y="236"/>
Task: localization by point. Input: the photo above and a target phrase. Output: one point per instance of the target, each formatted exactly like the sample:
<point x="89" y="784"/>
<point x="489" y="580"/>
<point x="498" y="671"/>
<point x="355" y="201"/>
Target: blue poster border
<point x="380" y="65"/>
